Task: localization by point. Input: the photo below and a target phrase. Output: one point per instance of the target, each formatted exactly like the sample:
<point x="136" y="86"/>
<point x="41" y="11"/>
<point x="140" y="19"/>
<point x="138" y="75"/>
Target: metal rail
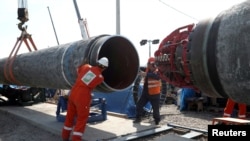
<point x="177" y="131"/>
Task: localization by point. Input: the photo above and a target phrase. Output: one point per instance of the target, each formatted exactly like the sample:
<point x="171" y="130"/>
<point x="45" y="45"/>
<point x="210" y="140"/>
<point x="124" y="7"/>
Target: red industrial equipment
<point x="172" y="58"/>
<point x="211" y="56"/>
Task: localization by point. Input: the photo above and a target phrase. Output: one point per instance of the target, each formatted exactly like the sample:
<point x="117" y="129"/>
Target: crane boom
<point x="82" y="23"/>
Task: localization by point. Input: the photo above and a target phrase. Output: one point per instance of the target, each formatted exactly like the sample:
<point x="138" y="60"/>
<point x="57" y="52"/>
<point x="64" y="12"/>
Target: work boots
<point x="157" y="122"/>
<point x="137" y="120"/>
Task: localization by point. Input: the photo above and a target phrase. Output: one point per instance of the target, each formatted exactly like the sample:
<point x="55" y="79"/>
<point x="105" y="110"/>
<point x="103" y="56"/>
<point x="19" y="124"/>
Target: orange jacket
<point x="89" y="76"/>
<point x="154" y="82"/>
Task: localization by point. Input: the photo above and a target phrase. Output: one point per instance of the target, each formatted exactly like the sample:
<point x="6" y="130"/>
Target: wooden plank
<point x="231" y="120"/>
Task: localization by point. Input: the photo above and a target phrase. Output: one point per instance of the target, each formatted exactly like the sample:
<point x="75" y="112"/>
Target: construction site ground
<point x="42" y="116"/>
<point x="38" y="122"/>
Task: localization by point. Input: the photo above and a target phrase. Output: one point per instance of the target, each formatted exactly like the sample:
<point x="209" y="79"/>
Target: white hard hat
<point x="104" y="61"/>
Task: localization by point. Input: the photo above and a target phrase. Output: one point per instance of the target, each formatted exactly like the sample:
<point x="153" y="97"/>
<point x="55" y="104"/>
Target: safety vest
<point x="154" y="86"/>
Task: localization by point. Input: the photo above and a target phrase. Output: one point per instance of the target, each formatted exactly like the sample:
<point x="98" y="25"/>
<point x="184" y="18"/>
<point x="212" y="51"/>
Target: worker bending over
<point x="80" y="99"/>
<point x="228" y="110"/>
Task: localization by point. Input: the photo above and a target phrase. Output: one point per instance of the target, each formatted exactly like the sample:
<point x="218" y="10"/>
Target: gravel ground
<point x="15" y="129"/>
<point x="192" y="119"/>
<point x="189" y="119"/>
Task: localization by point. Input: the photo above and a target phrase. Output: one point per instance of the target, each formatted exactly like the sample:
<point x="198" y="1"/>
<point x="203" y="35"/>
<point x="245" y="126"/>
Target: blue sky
<point x="140" y="19"/>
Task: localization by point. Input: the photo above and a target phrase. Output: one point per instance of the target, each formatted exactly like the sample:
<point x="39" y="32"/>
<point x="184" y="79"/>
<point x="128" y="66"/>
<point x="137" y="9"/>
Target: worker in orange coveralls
<point x="230" y="106"/>
<point x="80" y="99"/>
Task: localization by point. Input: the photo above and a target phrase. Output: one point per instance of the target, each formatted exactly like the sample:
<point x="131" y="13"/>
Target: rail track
<point x="165" y="132"/>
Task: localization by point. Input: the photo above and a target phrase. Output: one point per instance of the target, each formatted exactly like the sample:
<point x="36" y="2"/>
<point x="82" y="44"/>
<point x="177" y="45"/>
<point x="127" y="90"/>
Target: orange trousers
<point x="228" y="110"/>
<point x="78" y="113"/>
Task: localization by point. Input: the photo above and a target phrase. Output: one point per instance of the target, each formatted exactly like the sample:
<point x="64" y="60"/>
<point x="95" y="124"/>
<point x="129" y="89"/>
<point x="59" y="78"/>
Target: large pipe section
<point x="213" y="58"/>
<point x="55" y="67"/>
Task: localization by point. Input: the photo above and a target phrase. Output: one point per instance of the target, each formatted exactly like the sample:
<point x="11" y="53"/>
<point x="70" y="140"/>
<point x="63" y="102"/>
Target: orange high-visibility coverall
<point x="79" y="101"/>
<point x="230" y="106"/>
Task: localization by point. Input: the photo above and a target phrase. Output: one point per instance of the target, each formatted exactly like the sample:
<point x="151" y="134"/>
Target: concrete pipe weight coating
<point x="56" y="67"/>
<point x="220" y="60"/>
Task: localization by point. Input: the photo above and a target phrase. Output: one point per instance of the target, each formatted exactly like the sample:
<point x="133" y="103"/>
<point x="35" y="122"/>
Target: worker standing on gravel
<point x="80" y="99"/>
<point x="150" y="93"/>
<point x="228" y="110"/>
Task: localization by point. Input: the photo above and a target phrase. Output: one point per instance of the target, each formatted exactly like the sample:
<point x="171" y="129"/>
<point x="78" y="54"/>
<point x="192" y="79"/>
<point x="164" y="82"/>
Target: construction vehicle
<point x="211" y="56"/>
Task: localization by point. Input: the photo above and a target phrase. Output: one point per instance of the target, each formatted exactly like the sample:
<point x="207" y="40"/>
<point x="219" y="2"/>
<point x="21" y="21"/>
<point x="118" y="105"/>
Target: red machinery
<point x="172" y="58"/>
<point x="211" y="56"/>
